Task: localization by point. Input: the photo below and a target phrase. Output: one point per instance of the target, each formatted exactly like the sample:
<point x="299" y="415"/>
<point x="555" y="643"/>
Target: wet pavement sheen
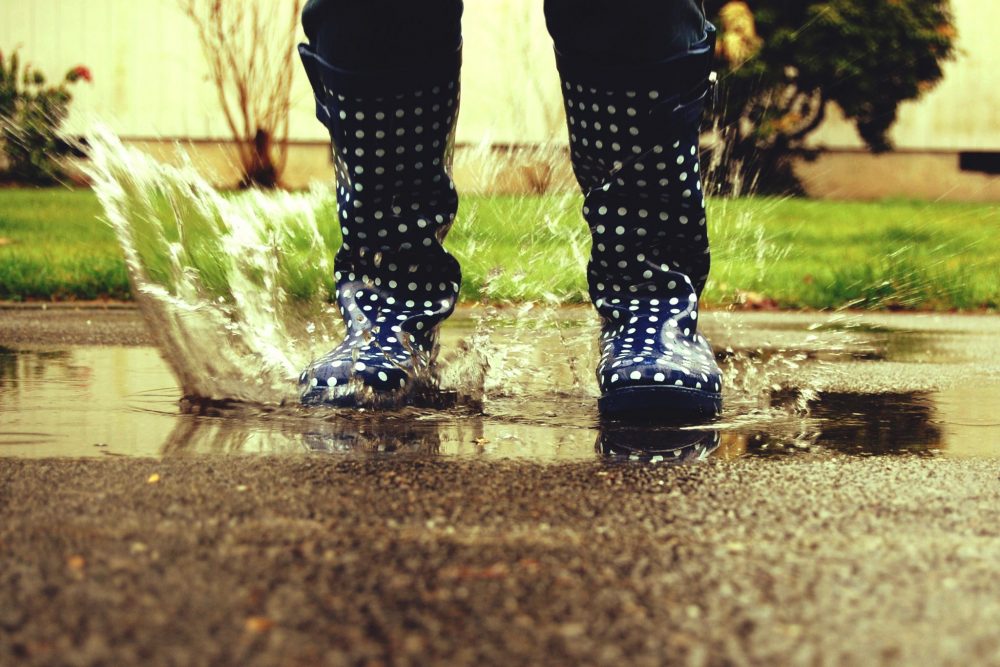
<point x="846" y="511"/>
<point x="797" y="384"/>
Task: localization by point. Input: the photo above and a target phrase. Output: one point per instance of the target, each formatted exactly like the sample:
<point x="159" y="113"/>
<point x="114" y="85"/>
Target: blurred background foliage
<point x="32" y="112"/>
<point x="782" y="62"/>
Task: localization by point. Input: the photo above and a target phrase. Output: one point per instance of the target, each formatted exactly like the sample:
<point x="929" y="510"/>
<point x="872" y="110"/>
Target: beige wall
<point x="841" y="174"/>
<point x="150" y="82"/>
<point x="963" y="111"/>
<point x="857" y="174"/>
<point x="150" y="79"/>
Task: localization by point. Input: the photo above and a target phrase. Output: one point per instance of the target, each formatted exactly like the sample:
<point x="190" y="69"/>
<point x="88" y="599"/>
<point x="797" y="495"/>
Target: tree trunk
<point x="261" y="171"/>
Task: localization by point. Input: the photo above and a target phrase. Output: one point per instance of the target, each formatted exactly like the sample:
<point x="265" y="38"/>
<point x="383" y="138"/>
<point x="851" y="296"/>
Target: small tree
<point x="866" y="56"/>
<point x="31" y="115"/>
<point x="250" y="49"/>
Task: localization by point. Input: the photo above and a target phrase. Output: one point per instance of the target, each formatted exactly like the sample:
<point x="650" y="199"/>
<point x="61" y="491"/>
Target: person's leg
<point x="386" y="78"/>
<point x="635" y="80"/>
<point x="372" y="35"/>
<point x="628" y="32"/>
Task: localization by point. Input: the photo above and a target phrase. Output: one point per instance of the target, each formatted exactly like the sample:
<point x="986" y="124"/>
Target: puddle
<point x="870" y="386"/>
<point x="237" y="314"/>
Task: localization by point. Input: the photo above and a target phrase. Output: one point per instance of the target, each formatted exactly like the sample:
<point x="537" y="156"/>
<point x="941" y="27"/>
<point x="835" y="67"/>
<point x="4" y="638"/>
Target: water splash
<point x="215" y="275"/>
<point x="236" y="290"/>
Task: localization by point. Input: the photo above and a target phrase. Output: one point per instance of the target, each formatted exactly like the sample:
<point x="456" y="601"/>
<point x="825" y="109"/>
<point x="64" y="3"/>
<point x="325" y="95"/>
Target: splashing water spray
<point x="236" y="290"/>
<point x="214" y="275"/>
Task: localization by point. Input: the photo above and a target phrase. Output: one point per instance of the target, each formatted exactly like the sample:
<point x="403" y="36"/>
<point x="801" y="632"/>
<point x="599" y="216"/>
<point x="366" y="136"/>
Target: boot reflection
<point x="374" y="437"/>
<point x="656" y="444"/>
<point x="291" y="433"/>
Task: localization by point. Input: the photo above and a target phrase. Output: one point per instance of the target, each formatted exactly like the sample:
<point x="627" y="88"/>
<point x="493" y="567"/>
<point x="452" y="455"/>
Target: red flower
<point x="80" y="72"/>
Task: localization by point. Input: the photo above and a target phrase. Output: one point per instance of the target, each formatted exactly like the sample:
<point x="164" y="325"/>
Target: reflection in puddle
<point x="84" y="401"/>
<point x="655" y="445"/>
<point x="787" y="395"/>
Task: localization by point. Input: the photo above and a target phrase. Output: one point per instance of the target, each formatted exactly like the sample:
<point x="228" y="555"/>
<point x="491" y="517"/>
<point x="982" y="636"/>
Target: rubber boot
<point x="634" y="148"/>
<point x="392" y="136"/>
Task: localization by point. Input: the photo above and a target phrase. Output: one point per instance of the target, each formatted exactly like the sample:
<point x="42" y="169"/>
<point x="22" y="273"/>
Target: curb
<point x="69" y="305"/>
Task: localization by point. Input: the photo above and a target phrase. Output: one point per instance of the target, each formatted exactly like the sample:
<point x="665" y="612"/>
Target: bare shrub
<point x="250" y="48"/>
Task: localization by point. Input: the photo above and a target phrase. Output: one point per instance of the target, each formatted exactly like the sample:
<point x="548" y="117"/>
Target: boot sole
<point x="673" y="404"/>
<point x="350" y="397"/>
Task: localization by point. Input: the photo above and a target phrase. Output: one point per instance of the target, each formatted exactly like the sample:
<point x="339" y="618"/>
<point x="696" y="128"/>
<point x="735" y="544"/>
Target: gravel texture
<point x="407" y="560"/>
<point x="113" y="324"/>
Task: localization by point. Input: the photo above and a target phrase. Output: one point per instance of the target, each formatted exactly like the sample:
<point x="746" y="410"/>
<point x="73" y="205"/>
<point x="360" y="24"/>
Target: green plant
<point x="782" y="64"/>
<point x="31" y="114"/>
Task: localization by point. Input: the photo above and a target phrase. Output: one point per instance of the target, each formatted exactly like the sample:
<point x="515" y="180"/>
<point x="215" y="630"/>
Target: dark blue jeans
<point x="365" y="35"/>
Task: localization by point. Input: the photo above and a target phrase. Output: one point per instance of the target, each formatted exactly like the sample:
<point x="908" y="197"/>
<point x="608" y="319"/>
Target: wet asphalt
<point x="315" y="560"/>
<point x="65" y="324"/>
<point x="407" y="559"/>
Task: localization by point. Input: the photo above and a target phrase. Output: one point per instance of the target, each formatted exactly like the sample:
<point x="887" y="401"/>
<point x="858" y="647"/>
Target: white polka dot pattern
<point x="634" y="150"/>
<point x="629" y="441"/>
<point x="392" y="143"/>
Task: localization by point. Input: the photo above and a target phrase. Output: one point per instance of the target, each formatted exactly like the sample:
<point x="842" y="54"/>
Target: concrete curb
<point x="68" y="305"/>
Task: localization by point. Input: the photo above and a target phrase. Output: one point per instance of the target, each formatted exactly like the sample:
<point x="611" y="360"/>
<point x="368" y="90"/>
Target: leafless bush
<point x="250" y="49"/>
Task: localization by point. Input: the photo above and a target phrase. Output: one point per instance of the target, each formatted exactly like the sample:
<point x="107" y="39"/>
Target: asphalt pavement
<point x="819" y="558"/>
<point x="415" y="561"/>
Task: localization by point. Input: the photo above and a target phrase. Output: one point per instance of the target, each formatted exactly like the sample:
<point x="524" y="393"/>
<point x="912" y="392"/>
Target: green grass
<point x="889" y="254"/>
<point x="790" y="252"/>
<point x="54" y="247"/>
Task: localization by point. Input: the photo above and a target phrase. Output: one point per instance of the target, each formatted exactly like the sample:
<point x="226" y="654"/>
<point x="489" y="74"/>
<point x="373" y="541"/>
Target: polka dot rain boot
<point x="392" y="139"/>
<point x="634" y="147"/>
<point x="623" y="440"/>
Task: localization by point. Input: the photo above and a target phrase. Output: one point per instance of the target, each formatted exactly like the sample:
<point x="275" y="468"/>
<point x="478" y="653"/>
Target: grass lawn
<point x="790" y="252"/>
<point x="52" y="246"/>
